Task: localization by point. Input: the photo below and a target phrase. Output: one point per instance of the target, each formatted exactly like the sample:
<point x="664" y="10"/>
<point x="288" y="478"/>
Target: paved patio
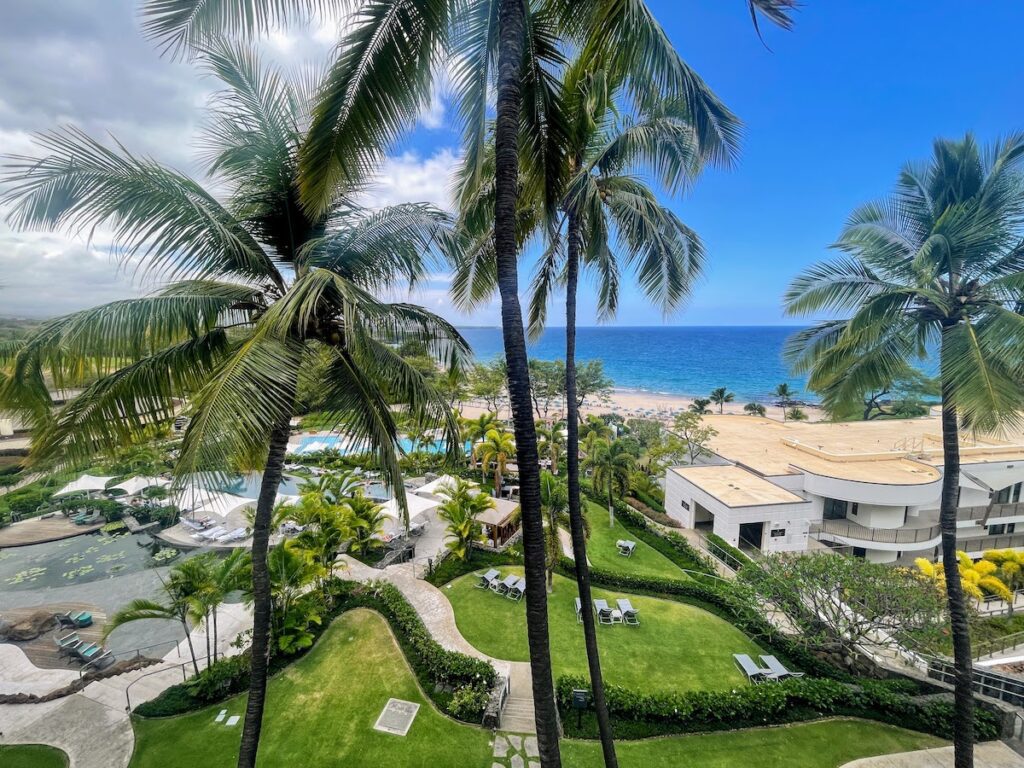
<point x="992" y="754"/>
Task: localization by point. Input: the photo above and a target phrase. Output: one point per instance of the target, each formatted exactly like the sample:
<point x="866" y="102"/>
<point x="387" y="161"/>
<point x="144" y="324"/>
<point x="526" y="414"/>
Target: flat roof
<point x="737" y="487"/>
<point x="891" y="451"/>
<point x="500" y="513"/>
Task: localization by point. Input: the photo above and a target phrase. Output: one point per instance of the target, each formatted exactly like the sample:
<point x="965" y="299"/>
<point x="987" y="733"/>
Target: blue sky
<point x="832" y="111"/>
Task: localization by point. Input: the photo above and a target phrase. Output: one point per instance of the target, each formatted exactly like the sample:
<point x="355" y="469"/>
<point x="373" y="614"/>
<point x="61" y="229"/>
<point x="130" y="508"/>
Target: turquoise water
<point x="249" y="485"/>
<point x="680" y="360"/>
<point x="340" y="444"/>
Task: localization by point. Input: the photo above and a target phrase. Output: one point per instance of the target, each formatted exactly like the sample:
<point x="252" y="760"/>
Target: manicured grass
<point x="677" y="647"/>
<point x="824" y="744"/>
<point x="32" y="756"/>
<point x="603" y="554"/>
<point x="321" y="712"/>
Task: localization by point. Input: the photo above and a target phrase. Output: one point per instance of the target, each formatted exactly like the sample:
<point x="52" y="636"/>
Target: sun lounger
<point x="579" y="610"/>
<point x="236" y="535"/>
<point x="754" y="673"/>
<point x="88" y="651"/>
<point x="777" y="670"/>
<point x="603" y="611"/>
<point x="68" y="641"/>
<point x="488" y="579"/>
<point x="629" y="613"/>
<point x="502" y="587"/>
<point x="517" y="590"/>
<point x="210" y="534"/>
<point x="625" y="547"/>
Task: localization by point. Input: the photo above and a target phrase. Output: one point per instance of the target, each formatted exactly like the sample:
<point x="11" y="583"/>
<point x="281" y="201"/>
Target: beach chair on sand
<point x="603" y="611"/>
<point x="488" y="578"/>
<point x="754" y="673"/>
<point x="777" y="670"/>
<point x="502" y="587"/>
<point x="517" y="590"/>
<point x="629" y="613"/>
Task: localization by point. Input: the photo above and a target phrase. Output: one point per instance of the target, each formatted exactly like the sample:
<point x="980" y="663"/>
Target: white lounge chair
<point x="517" y="590"/>
<point x="579" y="610"/>
<point x="603" y="611"/>
<point x="502" y="587"/>
<point x="626" y="547"/>
<point x="777" y="670"/>
<point x="629" y="613"/>
<point x="210" y="534"/>
<point x="488" y="579"/>
<point x="754" y="673"/>
<point x="236" y="535"/>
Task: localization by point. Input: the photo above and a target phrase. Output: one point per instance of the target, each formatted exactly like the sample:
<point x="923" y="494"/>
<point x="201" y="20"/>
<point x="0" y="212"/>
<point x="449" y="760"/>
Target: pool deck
<point x="43" y="651"/>
<point x="38" y="531"/>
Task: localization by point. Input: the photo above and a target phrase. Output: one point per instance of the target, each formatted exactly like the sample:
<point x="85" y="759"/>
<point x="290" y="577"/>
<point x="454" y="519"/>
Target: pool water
<point x="248" y="485"/>
<point x="345" y="447"/>
<point x="82" y="559"/>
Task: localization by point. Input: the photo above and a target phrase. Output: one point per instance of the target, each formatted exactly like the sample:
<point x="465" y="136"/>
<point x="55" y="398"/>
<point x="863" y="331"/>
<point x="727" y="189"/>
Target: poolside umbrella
<point x="136" y="485"/>
<point x="84" y="484"/>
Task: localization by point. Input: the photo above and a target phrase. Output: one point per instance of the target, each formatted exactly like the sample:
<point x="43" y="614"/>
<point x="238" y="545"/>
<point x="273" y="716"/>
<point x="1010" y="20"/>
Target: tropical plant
<point x="330" y="487"/>
<point x="754" y="409"/>
<point x="592" y="431"/>
<point x="796" y="414"/>
<point x="699" y="406"/>
<point x="644" y="484"/>
<point x="720" y="396"/>
<point x="611" y="467"/>
<point x="552" y="441"/>
<point x="939" y="264"/>
<point x="220" y="577"/>
<point x="474" y="430"/>
<point x="463" y="503"/>
<point x="980" y="578"/>
<point x="364" y="519"/>
<point x="262" y="287"/>
<point x="694" y="434"/>
<point x="326" y="528"/>
<point x="785" y="395"/>
<point x="496" y="448"/>
<point x="554" y="501"/>
<point x="293" y="606"/>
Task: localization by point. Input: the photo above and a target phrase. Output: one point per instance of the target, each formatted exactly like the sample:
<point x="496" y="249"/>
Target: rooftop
<point x="737" y="487"/>
<point x="897" y="451"/>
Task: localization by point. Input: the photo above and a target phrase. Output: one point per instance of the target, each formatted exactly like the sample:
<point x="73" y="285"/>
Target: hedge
<point x="637" y="714"/>
<point x="731" y="556"/>
<point x="451" y="567"/>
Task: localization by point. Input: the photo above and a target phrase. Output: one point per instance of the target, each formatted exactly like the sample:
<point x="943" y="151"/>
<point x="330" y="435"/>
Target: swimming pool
<point x="314" y="443"/>
<point x="248" y="485"/>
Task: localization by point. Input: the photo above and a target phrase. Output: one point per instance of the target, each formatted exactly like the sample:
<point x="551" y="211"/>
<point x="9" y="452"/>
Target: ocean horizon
<point x="686" y="360"/>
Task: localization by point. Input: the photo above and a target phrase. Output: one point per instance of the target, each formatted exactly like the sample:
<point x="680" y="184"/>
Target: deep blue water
<point x="682" y="360"/>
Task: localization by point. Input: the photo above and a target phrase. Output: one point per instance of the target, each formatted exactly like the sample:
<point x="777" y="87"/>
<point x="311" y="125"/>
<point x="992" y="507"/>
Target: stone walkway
<point x="992" y="754"/>
<point x="512" y="751"/>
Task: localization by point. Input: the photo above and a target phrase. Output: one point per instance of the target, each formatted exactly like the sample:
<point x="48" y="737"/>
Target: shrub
<point x="469" y="702"/>
<point x="175" y="700"/>
<point x="451" y="567"/>
<point x="223" y="678"/>
<point x="728" y="553"/>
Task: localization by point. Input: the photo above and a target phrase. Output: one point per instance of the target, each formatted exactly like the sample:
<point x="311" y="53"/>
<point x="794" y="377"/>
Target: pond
<point x="82" y="559"/>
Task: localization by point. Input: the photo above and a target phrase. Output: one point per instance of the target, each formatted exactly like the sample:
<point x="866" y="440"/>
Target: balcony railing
<point x="850" y="530"/>
<point x="998" y="510"/>
<point x="982" y="543"/>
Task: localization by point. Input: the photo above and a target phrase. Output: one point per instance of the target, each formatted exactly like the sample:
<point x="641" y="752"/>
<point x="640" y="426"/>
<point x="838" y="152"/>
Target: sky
<point x="831" y="109"/>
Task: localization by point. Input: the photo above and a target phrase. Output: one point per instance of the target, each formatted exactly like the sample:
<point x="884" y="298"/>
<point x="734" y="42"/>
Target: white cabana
<point x="135" y="485"/>
<point x="205" y="502"/>
<point x="418" y="507"/>
<point x="84" y="484"/>
<point x="432" y="488"/>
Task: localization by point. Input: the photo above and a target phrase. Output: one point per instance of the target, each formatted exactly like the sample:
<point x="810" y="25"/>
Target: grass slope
<point x="321" y="712"/>
<point x="32" y="756"/>
<point x="603" y="554"/>
<point x="823" y="744"/>
<point x="676" y="647"/>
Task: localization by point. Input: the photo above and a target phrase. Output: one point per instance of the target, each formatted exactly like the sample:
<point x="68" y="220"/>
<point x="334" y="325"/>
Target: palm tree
<point x="554" y="499"/>
<point x="796" y="414"/>
<point x="227" y="574"/>
<point x="262" y="288"/>
<point x="700" y="406"/>
<point x="365" y="519"/>
<point x="397" y="44"/>
<point x="327" y="527"/>
<point x="754" y="409"/>
<point x="496" y="448"/>
<point x="593" y="431"/>
<point x="937" y="264"/>
<point x="463" y="503"/>
<point x="331" y="487"/>
<point x="552" y="440"/>
<point x="611" y="466"/>
<point x="785" y="395"/>
<point x="474" y="430"/>
<point x="720" y="396"/>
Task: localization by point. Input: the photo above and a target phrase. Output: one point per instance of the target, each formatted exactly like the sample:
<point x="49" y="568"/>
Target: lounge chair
<point x="74" y="619"/>
<point x="777" y="670"/>
<point x="488" y="579"/>
<point x="68" y="642"/>
<point x="754" y="673"/>
<point x="210" y="534"/>
<point x="603" y="611"/>
<point x="502" y="587"/>
<point x="579" y="610"/>
<point x="625" y="547"/>
<point x="236" y="535"/>
<point x="629" y="613"/>
<point x="88" y="651"/>
<point x="517" y="590"/>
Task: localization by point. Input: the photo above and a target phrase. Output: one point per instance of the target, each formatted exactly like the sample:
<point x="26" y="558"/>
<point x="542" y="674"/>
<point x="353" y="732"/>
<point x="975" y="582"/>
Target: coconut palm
<point x="720" y="396"/>
<point x="496" y="448"/>
<point x="700" y="406"/>
<point x="552" y="441"/>
<point x="554" y="499"/>
<point x="937" y="265"/>
<point x="365" y="519"/>
<point x="260" y="288"/>
<point x="611" y="466"/>
<point x="754" y="409"/>
<point x="463" y="503"/>
<point x="331" y="487"/>
<point x="785" y="394"/>
<point x="326" y="529"/>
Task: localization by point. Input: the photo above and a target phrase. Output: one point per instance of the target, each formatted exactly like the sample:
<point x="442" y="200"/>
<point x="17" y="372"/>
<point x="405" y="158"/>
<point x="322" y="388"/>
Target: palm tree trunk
<point x="260" y="652"/>
<point x="215" y="632"/>
<point x="206" y="631"/>
<point x="611" y="509"/>
<point x="511" y="40"/>
<point x="576" y="529"/>
<point x="963" y="704"/>
<point x="191" y="648"/>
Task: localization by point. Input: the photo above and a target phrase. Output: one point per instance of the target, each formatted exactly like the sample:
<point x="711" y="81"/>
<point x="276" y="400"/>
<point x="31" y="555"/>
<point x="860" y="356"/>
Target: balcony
<point x="984" y="543"/>
<point x="998" y="511"/>
<point x="852" y="531"/>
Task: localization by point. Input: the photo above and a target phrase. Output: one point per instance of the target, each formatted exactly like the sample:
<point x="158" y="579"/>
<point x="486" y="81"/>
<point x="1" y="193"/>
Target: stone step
<point x="517" y="724"/>
<point x="520" y="706"/>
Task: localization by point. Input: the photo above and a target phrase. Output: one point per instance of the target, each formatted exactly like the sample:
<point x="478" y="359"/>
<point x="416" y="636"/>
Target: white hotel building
<point x="869" y="486"/>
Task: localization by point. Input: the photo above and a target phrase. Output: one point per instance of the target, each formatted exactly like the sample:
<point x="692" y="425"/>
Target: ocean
<point x="677" y="360"/>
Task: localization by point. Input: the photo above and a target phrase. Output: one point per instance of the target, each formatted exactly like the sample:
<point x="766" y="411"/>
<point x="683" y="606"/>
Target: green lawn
<point x="676" y="647"/>
<point x="321" y="712"/>
<point x="32" y="756"/>
<point x="603" y="554"/>
<point x="824" y="744"/>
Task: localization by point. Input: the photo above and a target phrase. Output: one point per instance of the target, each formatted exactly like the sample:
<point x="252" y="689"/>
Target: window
<point x="854" y="508"/>
<point x="834" y="509"/>
<point x="777" y="532"/>
<point x="1000" y="528"/>
<point x="860" y="552"/>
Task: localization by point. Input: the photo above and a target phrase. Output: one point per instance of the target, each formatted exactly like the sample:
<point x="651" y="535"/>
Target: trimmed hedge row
<point x="732" y="557"/>
<point x="637" y="714"/>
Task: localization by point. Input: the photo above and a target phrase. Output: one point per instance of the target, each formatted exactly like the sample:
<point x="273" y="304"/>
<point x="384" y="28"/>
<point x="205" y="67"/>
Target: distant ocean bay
<point x="676" y="360"/>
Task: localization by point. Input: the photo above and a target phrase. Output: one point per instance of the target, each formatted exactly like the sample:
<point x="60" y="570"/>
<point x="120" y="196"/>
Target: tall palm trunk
<point x="206" y="627"/>
<point x="576" y="529"/>
<point x="215" y="631"/>
<point x="191" y="648"/>
<point x="511" y="34"/>
<point x="260" y="651"/>
<point x="963" y="706"/>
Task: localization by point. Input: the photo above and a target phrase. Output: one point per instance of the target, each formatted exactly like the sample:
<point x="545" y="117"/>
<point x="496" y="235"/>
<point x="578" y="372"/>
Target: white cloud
<point x="410" y="178"/>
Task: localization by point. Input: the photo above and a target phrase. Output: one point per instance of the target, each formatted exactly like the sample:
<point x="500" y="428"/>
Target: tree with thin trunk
<point x="938" y="264"/>
<point x="495" y="450"/>
<point x="463" y="503"/>
<point x="785" y="394"/>
<point x="720" y="396"/>
<point x="611" y="466"/>
<point x="554" y="499"/>
<point x="263" y="287"/>
<point x="552" y="440"/>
